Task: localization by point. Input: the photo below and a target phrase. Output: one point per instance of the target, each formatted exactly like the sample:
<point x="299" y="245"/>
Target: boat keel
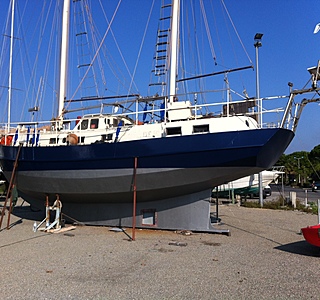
<point x="189" y="212"/>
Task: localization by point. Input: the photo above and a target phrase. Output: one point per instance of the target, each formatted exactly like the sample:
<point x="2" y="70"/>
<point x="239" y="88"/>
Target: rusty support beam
<point x="134" y="199"/>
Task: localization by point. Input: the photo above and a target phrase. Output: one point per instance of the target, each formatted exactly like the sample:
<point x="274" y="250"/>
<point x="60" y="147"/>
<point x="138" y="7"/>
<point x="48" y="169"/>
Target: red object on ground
<point x="312" y="234"/>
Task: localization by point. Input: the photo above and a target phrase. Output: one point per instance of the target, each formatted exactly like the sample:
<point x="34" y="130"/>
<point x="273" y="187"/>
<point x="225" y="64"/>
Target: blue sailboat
<point x="182" y="149"/>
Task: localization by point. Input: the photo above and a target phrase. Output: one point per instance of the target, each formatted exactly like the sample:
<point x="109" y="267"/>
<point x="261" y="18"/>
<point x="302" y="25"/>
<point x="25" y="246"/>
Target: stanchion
<point x="134" y="199"/>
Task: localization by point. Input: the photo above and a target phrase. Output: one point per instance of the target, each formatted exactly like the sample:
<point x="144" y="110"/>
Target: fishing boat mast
<point x="64" y="57"/>
<point x="174" y="50"/>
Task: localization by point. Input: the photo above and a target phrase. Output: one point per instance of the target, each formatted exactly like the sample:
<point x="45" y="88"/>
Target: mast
<point x="64" y="56"/>
<point x="10" y="65"/>
<point x="174" y="46"/>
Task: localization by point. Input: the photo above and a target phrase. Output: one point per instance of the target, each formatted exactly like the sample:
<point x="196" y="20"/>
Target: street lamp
<point x="257" y="44"/>
<point x="257" y="39"/>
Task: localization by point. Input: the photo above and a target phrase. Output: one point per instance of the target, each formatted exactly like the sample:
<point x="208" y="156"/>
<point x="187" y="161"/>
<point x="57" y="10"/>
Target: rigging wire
<point x="40" y="95"/>
<point x="198" y="65"/>
<point x="95" y="56"/>
<point x="236" y="32"/>
<point x="4" y="49"/>
<point x="31" y="90"/>
<point x="240" y="41"/>
<point x="95" y="37"/>
<point x="189" y="41"/>
<point x="213" y="54"/>
<point x="141" y="45"/>
<point x="83" y="48"/>
<point x="43" y="25"/>
<point x="118" y="48"/>
<point x="99" y="49"/>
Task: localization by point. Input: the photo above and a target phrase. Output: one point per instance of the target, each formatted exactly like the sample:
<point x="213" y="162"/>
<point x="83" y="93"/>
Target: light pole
<point x="257" y="44"/>
<point x="299" y="178"/>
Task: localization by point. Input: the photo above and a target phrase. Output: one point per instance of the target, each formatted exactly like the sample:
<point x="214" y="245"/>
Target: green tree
<point x="314" y="161"/>
<point x="297" y="168"/>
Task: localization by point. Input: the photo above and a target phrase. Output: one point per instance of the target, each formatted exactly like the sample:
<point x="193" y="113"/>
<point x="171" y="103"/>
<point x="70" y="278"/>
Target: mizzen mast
<point x="174" y="46"/>
<point x="10" y="67"/>
<point x="64" y="57"/>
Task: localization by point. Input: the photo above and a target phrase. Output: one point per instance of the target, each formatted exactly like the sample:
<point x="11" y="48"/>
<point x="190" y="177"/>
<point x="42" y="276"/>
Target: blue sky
<point x="289" y="47"/>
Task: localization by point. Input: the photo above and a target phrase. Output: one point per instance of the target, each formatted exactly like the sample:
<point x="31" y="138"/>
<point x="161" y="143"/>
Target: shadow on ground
<point x="301" y="248"/>
<point x="26" y="212"/>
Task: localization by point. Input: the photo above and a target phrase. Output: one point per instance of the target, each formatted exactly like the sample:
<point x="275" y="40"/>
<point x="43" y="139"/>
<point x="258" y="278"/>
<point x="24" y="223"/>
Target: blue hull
<point x="167" y="167"/>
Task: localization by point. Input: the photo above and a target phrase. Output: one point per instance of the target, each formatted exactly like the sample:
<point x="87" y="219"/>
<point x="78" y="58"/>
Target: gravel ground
<point x="265" y="257"/>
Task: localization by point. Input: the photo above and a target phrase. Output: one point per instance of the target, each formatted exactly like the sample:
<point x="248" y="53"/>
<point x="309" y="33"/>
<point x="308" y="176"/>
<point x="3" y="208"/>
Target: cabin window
<point x="106" y="137"/>
<point x="201" y="128"/>
<point x="84" y="124"/>
<point x="115" y="122"/>
<point x="81" y="139"/>
<point x="173" y="130"/>
<point x="94" y="123"/>
<point x="66" y="125"/>
<point x="53" y="141"/>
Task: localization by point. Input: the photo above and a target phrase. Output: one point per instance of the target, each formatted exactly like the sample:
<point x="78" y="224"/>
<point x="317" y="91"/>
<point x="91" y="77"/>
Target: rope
<point x="74" y="220"/>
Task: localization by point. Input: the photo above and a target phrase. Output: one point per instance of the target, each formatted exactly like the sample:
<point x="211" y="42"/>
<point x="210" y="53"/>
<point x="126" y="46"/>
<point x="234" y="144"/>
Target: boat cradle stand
<point x="188" y="212"/>
<point x="56" y="224"/>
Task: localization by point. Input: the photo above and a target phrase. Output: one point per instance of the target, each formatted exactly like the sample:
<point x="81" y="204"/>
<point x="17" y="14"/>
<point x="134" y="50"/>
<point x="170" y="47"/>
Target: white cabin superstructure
<point x="95" y="128"/>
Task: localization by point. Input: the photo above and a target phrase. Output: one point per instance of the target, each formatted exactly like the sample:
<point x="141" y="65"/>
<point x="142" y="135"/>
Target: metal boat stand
<point x="56" y="224"/>
<point x="188" y="212"/>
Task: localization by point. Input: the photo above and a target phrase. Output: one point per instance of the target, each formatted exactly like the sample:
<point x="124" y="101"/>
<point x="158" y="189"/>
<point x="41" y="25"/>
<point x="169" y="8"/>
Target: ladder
<point x="160" y="66"/>
<point x="9" y="191"/>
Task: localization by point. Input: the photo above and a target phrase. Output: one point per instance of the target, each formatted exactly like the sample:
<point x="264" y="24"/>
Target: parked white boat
<point x="168" y="148"/>
<point x="249" y="185"/>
